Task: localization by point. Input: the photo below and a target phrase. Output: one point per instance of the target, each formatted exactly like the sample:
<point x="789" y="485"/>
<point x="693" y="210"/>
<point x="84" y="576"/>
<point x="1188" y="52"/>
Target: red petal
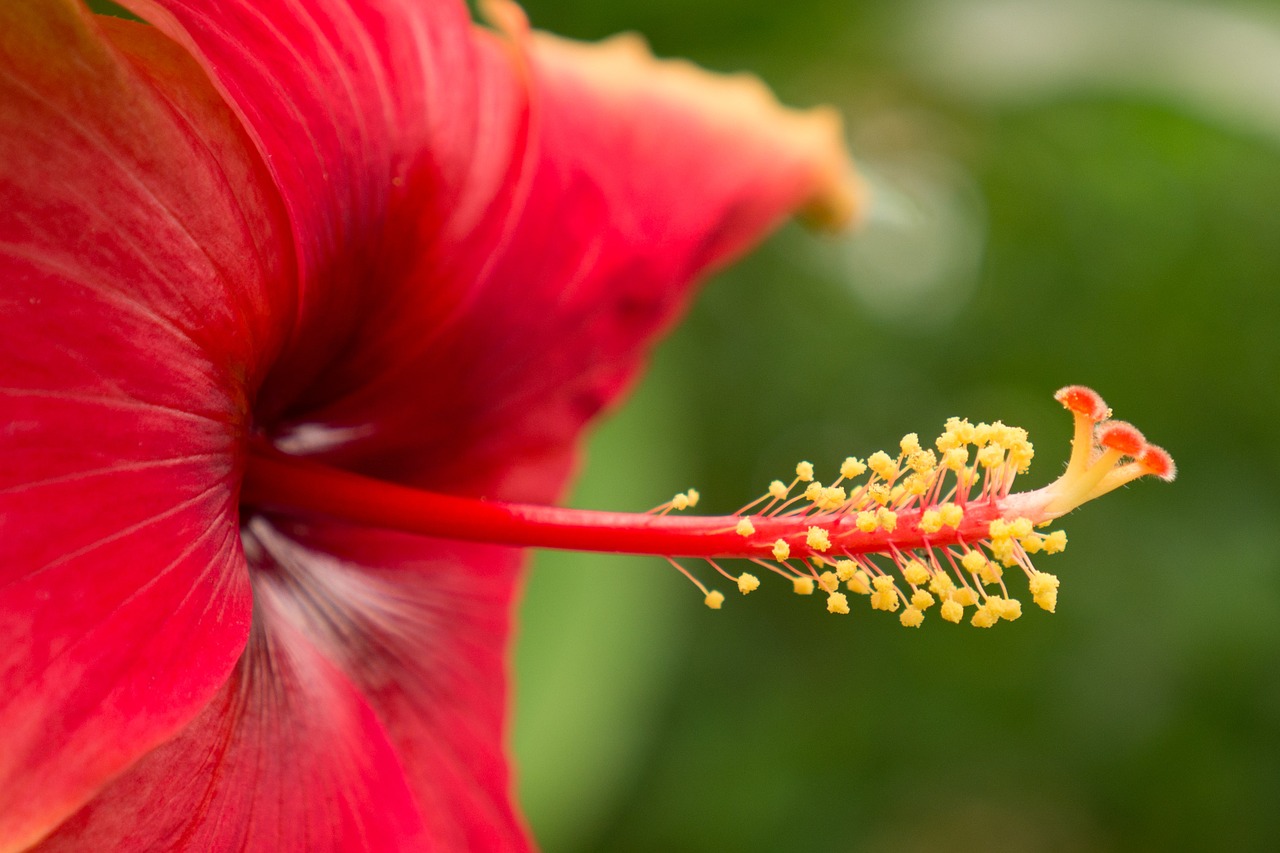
<point x="641" y="176"/>
<point x="134" y="245"/>
<point x="472" y="291"/>
<point x="489" y="242"/>
<point x="287" y="757"/>
<point x="373" y="118"/>
<point x="420" y="630"/>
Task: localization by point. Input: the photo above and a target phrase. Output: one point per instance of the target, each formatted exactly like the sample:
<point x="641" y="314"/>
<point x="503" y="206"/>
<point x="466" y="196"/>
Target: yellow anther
<point x="951" y="611"/>
<point x="745" y="527"/>
<point x="982" y="434"/>
<point x="984" y="617"/>
<point x="955" y="458"/>
<point x="997" y="528"/>
<point x="859" y="583"/>
<point x="837" y="603"/>
<point x="917" y="484"/>
<point x="832" y="498"/>
<point x="973" y="561"/>
<point x="958" y="432"/>
<point x="942" y="585"/>
<point x="886" y="601"/>
<point x="896" y="493"/>
<point x="866" y="522"/>
<point x="748" y="583"/>
<point x="887" y="518"/>
<point x="680" y="501"/>
<point x="1020" y="456"/>
<point x="1017" y="436"/>
<point x="692" y="497"/>
<point x="1044" y="590"/>
<point x="778" y="490"/>
<point x="845" y="569"/>
<point x="852" y="467"/>
<point x="991" y="456"/>
<point x="817" y="539"/>
<point x="714" y="599"/>
<point x="963" y="430"/>
<point x="879" y="493"/>
<point x="1032" y="544"/>
<point x="921" y="600"/>
<point x="882" y="464"/>
<point x="1006" y="608"/>
<point x="965" y="596"/>
<point x="951" y="514"/>
<point x="781" y="550"/>
<point x="885" y="596"/>
<point x="1004" y="551"/>
<point x="915" y="573"/>
<point x="828" y="582"/>
<point x="1020" y="527"/>
<point x="911" y="618"/>
<point x="910" y="444"/>
<point x="991" y="573"/>
<point x="930" y="521"/>
<point x="1055" y="542"/>
<point x="922" y="461"/>
<point x="804" y="471"/>
<point x="818" y="561"/>
<point x="1003" y="435"/>
<point x="802" y="586"/>
<point x="813" y="491"/>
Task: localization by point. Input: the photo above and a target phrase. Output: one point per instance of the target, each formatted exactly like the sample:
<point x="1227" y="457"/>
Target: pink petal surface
<point x="133" y="251"/>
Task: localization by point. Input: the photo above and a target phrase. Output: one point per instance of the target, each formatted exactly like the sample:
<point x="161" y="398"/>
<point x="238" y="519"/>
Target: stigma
<point x="916" y="531"/>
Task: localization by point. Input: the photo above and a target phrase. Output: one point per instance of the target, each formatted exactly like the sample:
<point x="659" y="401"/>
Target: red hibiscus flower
<point x="364" y="232"/>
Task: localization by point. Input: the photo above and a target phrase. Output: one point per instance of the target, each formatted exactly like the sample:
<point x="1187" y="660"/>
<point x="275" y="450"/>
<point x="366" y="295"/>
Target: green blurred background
<point x="1075" y="191"/>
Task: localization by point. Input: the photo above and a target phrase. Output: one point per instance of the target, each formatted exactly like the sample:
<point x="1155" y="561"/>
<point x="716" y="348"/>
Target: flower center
<point x="907" y="531"/>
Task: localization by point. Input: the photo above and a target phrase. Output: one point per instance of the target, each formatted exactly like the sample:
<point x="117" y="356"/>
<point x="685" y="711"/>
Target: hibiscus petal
<point x="422" y="628"/>
<point x="447" y="186"/>
<point x="288" y="756"/>
<point x="133" y="322"/>
<point x="372" y="118"/>
<point x="376" y="673"/>
<point x="367" y="646"/>
<point x="640" y="176"/>
<point x="488" y="235"/>
<point x="647" y="175"/>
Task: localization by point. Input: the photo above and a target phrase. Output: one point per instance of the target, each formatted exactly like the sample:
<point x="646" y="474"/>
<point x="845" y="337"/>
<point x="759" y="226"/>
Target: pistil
<point x="946" y="526"/>
<point x="295" y="486"/>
